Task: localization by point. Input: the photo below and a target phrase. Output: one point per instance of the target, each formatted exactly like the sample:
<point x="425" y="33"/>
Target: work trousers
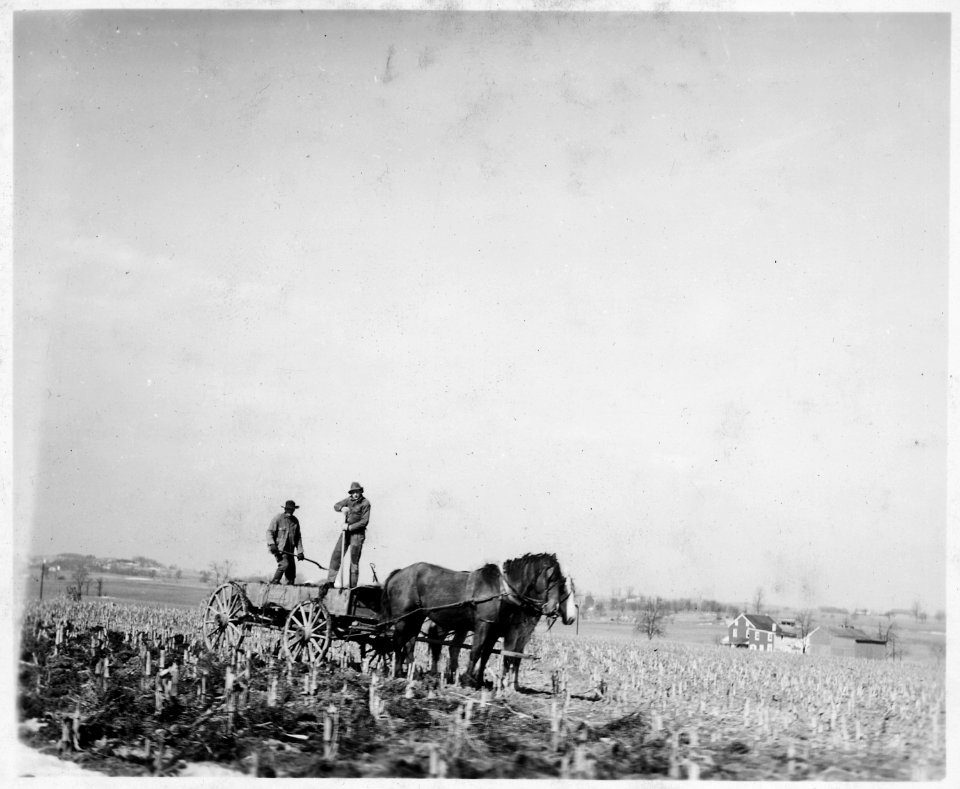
<point x="286" y="567"/>
<point x="353" y="550"/>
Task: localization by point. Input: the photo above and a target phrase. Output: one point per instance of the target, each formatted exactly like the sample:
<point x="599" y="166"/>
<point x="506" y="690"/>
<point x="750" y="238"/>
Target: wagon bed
<point x="308" y="617"/>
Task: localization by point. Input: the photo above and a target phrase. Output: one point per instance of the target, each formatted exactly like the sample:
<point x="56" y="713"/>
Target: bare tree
<point x="758" y="600"/>
<point x="892" y="639"/>
<point x="939" y="652"/>
<point x="81" y="581"/>
<point x="221" y="571"/>
<point x="650" y="622"/>
<point x="804" y="620"/>
<point x="917" y="610"/>
<point x="100" y="587"/>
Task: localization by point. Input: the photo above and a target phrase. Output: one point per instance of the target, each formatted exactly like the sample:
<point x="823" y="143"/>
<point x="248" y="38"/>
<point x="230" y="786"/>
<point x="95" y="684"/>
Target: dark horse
<point x="488" y="602"/>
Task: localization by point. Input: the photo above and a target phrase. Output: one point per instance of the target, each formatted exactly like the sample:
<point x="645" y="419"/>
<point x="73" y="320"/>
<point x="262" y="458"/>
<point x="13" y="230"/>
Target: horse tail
<point x="385" y="611"/>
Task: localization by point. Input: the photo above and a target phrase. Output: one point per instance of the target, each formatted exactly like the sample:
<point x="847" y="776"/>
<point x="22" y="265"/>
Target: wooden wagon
<point x="309" y="619"/>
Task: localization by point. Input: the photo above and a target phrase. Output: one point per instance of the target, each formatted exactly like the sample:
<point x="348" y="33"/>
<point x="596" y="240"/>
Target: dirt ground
<point x="110" y="702"/>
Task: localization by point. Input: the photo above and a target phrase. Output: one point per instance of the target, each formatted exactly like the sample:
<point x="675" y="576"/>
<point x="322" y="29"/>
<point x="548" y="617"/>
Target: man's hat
<point x="291" y="505"/>
<point x="355" y="486"/>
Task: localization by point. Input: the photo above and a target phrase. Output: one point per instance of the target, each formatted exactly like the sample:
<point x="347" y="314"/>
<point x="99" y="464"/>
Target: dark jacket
<point x="284" y="531"/>
<point x="358" y="514"/>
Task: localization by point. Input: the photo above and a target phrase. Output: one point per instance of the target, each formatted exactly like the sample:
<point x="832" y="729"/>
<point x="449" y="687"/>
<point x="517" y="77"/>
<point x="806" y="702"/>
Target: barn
<point x="845" y="642"/>
<point x="752" y="631"/>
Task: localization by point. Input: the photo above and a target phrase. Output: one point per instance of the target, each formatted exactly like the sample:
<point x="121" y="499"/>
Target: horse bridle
<point x="535" y="605"/>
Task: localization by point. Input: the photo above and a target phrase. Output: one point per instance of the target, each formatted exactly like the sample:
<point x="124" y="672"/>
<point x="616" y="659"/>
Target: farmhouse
<point x="752" y="631"/>
<point x="845" y="642"/>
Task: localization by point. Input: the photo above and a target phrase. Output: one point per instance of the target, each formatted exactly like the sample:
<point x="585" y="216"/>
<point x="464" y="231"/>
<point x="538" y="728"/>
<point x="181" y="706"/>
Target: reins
<point x="533" y="604"/>
<point x="458" y="604"/>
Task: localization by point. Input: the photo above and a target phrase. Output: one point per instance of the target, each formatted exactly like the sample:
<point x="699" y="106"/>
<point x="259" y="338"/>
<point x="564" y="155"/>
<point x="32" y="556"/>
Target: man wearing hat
<point x="283" y="539"/>
<point x="357" y="515"/>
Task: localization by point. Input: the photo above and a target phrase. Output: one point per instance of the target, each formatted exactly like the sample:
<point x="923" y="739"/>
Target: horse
<point x="518" y="626"/>
<point x="482" y="601"/>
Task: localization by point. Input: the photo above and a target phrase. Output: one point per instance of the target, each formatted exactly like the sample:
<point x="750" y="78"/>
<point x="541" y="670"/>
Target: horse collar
<point x="519" y="598"/>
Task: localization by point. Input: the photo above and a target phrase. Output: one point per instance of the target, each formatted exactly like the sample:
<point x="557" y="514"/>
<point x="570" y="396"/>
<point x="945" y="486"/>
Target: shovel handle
<point x="305" y="559"/>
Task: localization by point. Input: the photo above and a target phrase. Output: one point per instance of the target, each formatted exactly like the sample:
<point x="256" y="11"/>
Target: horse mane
<point x="490" y="574"/>
<point x="522" y="563"/>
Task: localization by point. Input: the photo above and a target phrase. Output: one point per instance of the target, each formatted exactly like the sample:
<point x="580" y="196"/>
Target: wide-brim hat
<point x="291" y="505"/>
<point x="355" y="487"/>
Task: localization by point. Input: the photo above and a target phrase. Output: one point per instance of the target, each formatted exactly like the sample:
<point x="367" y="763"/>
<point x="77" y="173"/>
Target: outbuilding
<point x="845" y="641"/>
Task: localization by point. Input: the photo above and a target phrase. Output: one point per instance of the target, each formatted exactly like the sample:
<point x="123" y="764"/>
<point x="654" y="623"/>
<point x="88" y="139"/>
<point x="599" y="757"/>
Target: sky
<point x="664" y="294"/>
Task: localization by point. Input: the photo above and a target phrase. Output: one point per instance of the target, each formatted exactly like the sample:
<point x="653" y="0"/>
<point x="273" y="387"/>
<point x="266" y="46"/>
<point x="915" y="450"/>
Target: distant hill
<point x="138" y="565"/>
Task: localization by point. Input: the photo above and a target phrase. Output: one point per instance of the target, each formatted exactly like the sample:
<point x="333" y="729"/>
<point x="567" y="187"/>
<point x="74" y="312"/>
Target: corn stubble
<point x="130" y="690"/>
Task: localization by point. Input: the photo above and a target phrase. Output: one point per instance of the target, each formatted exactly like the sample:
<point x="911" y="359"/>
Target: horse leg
<point x="404" y="635"/>
<point x="410" y="654"/>
<point x="434" y="634"/>
<point x="479" y="636"/>
<point x="456" y="644"/>
<point x="486" y="648"/>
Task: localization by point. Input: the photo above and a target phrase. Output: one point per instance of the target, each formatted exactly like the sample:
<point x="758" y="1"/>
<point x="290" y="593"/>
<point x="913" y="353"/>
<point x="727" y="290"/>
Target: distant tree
<point x="221" y="571"/>
<point x="939" y="652"/>
<point x="650" y="622"/>
<point x="916" y="609"/>
<point x="205" y="576"/>
<point x="153" y="572"/>
<point x="940" y="616"/>
<point x="758" y="600"/>
<point x="804" y="621"/>
<point x="600" y="608"/>
<point x="178" y="574"/>
<point x="99" y="587"/>
<point x="81" y="580"/>
<point x="892" y="639"/>
<point x="588" y="601"/>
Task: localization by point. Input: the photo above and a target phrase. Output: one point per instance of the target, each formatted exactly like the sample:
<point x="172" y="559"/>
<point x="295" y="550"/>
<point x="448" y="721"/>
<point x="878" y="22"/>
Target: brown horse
<point x="518" y="626"/>
<point x="486" y="602"/>
<point x="521" y="624"/>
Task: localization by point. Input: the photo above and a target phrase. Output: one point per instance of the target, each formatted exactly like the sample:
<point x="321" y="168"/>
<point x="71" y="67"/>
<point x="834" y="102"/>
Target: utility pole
<point x="43" y="572"/>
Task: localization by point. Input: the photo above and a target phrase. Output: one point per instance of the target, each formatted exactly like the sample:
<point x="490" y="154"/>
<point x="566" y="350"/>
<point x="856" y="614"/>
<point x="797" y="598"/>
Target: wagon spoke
<point x="224" y="617"/>
<point x="306" y="632"/>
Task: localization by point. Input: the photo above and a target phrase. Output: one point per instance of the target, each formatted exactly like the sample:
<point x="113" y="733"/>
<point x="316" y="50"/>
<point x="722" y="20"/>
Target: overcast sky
<point x="663" y="294"/>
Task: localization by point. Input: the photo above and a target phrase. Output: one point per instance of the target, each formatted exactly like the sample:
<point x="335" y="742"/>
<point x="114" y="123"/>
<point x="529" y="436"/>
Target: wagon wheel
<point x="380" y="647"/>
<point x="308" y="631"/>
<point x="225" y="618"/>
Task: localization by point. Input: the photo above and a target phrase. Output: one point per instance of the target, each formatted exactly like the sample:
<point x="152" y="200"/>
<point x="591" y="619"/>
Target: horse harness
<point x="533" y="605"/>
<point x="525" y="602"/>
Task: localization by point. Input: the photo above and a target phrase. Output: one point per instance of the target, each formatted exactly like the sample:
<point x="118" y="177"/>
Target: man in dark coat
<point x="283" y="539"/>
<point x="356" y="510"/>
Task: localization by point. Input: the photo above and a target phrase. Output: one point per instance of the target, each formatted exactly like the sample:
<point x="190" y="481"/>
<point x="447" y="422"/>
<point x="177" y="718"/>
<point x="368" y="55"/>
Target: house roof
<point x="854" y="633"/>
<point x="760" y="621"/>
